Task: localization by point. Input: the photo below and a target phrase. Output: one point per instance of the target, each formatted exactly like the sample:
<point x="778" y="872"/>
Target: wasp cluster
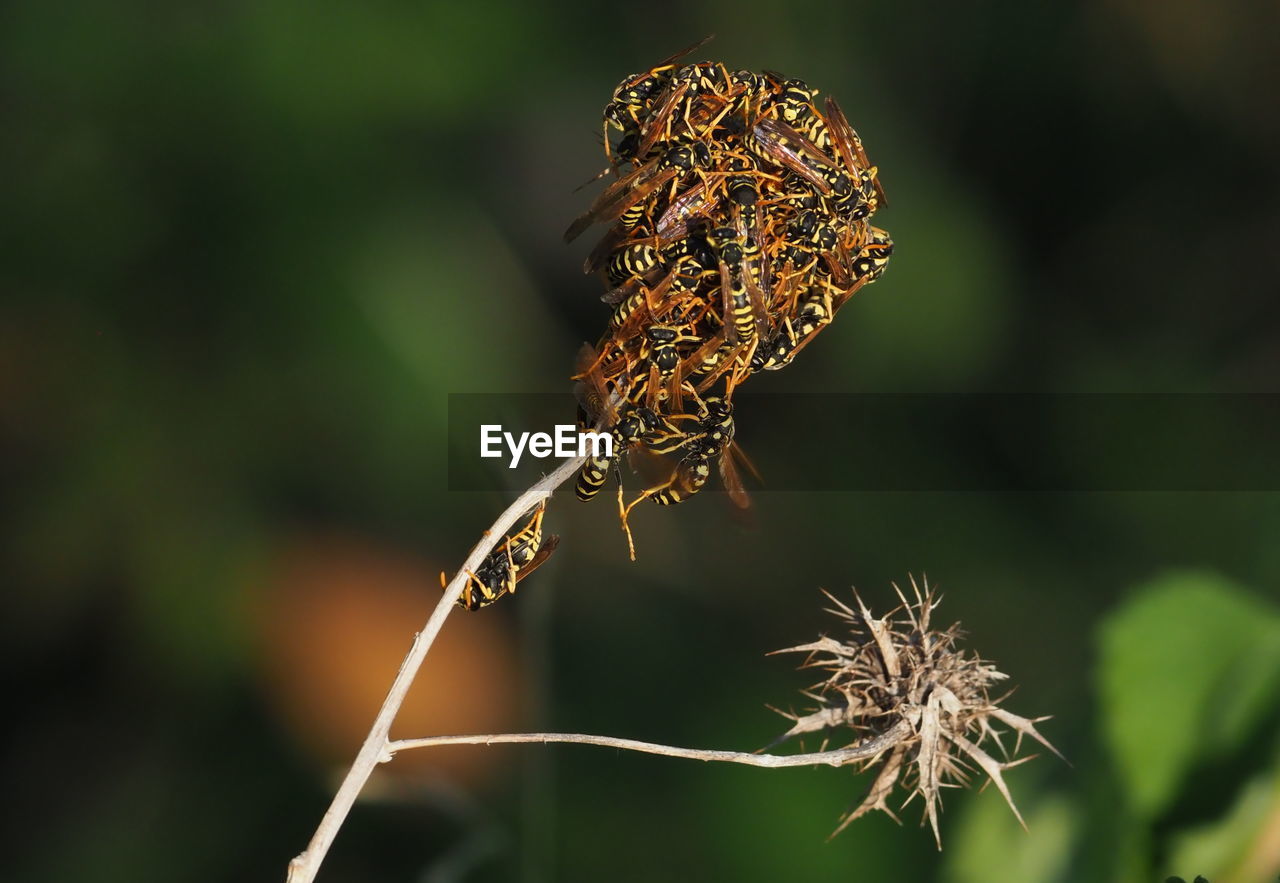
<point x="740" y="223"/>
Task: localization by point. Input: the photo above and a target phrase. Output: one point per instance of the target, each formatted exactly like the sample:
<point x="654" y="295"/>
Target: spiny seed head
<point x="899" y="676"/>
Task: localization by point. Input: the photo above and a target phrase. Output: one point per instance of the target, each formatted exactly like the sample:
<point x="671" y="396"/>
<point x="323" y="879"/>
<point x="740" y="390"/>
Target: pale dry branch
<point x="303" y="868"/>
<point x="863" y="750"/>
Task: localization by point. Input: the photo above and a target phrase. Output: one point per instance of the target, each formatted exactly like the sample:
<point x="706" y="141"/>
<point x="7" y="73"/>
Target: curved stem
<point x="303" y="868"/>
<point x="865" y="749"/>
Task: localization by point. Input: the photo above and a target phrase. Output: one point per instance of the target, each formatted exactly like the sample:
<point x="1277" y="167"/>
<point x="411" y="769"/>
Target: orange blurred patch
<point x="335" y="618"/>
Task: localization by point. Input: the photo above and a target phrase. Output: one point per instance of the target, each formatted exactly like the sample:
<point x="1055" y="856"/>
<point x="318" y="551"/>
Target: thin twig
<point x="304" y="866"/>
<point x="837" y="757"/>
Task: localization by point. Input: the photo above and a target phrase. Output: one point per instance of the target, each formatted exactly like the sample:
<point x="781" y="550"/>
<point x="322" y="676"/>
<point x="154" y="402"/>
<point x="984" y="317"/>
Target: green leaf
<point x="1185" y="669"/>
<point x="989" y="844"/>
<point x="1229" y="850"/>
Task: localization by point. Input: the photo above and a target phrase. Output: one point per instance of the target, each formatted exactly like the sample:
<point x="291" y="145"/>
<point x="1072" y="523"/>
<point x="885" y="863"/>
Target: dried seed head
<point x="900" y="670"/>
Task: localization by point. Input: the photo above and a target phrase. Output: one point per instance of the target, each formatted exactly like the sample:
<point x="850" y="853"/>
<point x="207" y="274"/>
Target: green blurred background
<point x="249" y="249"/>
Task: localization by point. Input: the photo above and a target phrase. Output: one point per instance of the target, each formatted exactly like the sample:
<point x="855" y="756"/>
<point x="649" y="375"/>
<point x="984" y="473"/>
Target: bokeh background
<point x="249" y="250"/>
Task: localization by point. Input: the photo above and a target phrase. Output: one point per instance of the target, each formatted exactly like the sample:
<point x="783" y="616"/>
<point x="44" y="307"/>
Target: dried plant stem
<point x="863" y="750"/>
<point x="376" y="747"/>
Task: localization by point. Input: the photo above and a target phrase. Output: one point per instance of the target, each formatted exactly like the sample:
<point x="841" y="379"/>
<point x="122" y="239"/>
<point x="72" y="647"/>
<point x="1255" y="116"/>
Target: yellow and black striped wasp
<point x="621" y="199"/>
<point x="776" y="142"/>
<point x="605" y="398"/>
<point x="744" y="305"/>
<point x="874" y="257"/>
<point x="819" y="304"/>
<point x="519" y="555"/>
<point x="622" y="195"/>
<point x="849" y="147"/>
<point x="635" y="94"/>
<point x="709" y="437"/>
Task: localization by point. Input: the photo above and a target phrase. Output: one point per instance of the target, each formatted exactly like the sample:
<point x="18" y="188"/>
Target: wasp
<point x="714" y="100"/>
<point x="636" y="425"/>
<point x="817" y="308"/>
<point x="673" y="226"/>
<point x="598" y="403"/>
<point x="631" y="217"/>
<point x="632" y="261"/>
<point x="624" y="199"/>
<point x="635" y="301"/>
<point x="688" y="156"/>
<point x="846" y="198"/>
<point x="742" y="187"/>
<point x="595" y="472"/>
<point x="689" y="478"/>
<point x="815" y="312"/>
<point x="694" y="202"/>
<point x="771" y="354"/>
<point x="873" y="260"/>
<point x="795" y="103"/>
<point x="519" y="555"/>
<point x="620" y="196"/>
<point x="819" y="235"/>
<point x="702" y="79"/>
<point x="636" y="92"/>
<point x="854" y="193"/>
<point x="721" y="355"/>
<point x="797" y="194"/>
<point x="737" y="302"/>
<point x="750" y="82"/>
<point x="707" y="359"/>
<point x="774" y="141"/>
<point x="796" y="108"/>
<point x="807" y="234"/>
<point x="742" y="274"/>
<point x="659" y="356"/>
<point x="711" y="440"/>
<point x="849" y="146"/>
<point x="798" y="233"/>
<point x="662" y="347"/>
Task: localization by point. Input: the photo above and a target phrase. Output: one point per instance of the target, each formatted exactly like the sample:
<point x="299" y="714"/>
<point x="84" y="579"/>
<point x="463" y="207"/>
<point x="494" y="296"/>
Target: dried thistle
<point x="900" y="680"/>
